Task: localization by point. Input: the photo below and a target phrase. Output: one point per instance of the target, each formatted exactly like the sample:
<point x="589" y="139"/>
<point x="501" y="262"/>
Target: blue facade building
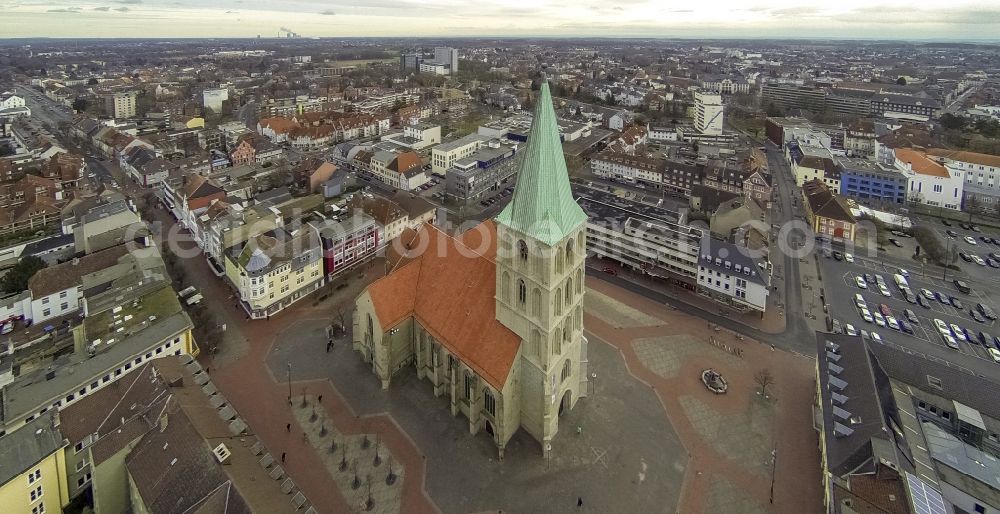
<point x="871" y="182"/>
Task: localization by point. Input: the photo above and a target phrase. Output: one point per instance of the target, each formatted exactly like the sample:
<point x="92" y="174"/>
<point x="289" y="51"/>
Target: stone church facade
<point x="492" y="318"/>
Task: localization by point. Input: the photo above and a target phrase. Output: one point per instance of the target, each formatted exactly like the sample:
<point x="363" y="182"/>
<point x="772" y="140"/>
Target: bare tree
<point x="763" y="378"/>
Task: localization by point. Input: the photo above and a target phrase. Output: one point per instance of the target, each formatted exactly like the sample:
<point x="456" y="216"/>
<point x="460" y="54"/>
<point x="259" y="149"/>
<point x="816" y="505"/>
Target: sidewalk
<point x="240" y="371"/>
<point x="773" y="321"/>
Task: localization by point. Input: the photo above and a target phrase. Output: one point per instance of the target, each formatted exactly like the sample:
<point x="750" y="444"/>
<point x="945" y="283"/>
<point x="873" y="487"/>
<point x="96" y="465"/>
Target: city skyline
<point x="851" y="19"/>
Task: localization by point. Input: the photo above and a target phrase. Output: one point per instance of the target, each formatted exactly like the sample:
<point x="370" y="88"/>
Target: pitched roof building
<point x="492" y="317"/>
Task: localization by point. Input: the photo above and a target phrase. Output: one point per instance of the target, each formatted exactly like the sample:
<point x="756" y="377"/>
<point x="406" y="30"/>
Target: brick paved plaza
<point x="652" y="438"/>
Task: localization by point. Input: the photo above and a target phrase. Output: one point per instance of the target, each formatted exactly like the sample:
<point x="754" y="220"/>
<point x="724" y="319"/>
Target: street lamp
<point x="289" y="377"/>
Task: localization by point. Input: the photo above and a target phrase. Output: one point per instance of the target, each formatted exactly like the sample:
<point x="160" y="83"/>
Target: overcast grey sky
<point x="896" y="19"/>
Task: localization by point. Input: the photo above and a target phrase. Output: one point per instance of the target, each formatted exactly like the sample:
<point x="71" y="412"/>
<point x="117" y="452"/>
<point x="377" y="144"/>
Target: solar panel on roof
<point x="837" y="383"/>
<point x="838" y="398"/>
<point x="832" y="357"/>
<point x="841" y="430"/>
<point x="835" y="369"/>
<point x="924" y="498"/>
<point x="841" y="413"/>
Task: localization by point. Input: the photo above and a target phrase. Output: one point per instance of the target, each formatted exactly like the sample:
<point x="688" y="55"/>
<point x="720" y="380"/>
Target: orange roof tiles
<point x="278" y="125"/>
<point x="450" y="290"/>
<point x="920" y="163"/>
<point x="970" y="157"/>
<point x="406" y="161"/>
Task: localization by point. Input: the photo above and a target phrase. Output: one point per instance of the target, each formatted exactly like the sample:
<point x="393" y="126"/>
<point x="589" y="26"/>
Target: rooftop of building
<point x="460" y="142"/>
<point x="39" y="388"/>
<point x="857" y="407"/>
<point x="732" y="259"/>
<point x="23" y="449"/>
<point x="175" y="468"/>
<point x="920" y="163"/>
<point x="451" y="292"/>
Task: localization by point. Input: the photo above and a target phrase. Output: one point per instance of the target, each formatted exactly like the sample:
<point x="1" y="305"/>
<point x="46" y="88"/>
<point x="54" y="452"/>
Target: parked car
<point x="848" y="257"/>
<point x="986" y="312"/>
<point x="957" y="332"/>
<point x="912" y="316"/>
<point x="961" y="286"/>
<point x="995" y="355"/>
<point x="884" y="309"/>
<point x="860" y="281"/>
<point x="986" y="340"/>
<point x="965" y="226"/>
<point x="941" y="326"/>
<point x="949" y="341"/>
<point x="927" y="293"/>
<point x="891" y="323"/>
<point x="850" y="330"/>
<point x="859" y="301"/>
<point x="866" y="315"/>
<point x="905" y="327"/>
<point x="876" y="338"/>
<point x="884" y="290"/>
<point x="946" y="222"/>
<point x="951" y="233"/>
<point x="965" y="257"/>
<point x="895" y="242"/>
<point x="837" y="255"/>
<point x="976" y="316"/>
<point x="879" y="319"/>
<point x="923" y="302"/>
<point x="941" y="297"/>
<point x="869" y="278"/>
<point x="968" y="239"/>
<point x="837" y="328"/>
<point x="956" y="303"/>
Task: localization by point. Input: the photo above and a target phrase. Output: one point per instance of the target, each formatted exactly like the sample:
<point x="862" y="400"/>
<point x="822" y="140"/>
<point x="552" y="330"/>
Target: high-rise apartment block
<point x="708" y="113"/>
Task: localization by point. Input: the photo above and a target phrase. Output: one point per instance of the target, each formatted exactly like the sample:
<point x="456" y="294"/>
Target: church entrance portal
<point x="564" y="405"/>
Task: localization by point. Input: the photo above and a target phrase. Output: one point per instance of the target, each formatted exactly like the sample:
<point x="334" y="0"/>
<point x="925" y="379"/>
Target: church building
<point x="492" y="317"/>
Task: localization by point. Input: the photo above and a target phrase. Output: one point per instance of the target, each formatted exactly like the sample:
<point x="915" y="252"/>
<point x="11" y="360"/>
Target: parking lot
<point x="840" y="281"/>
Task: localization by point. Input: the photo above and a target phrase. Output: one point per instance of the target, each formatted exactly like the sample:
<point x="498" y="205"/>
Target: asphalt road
<point x="796" y="328"/>
<point x="44" y="108"/>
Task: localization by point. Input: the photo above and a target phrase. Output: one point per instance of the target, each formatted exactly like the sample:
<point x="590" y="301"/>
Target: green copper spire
<point x="543" y="206"/>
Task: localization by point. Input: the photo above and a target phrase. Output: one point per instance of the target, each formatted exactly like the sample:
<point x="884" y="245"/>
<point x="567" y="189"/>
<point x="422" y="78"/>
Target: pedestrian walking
<point x="329" y="344"/>
<point x="282" y="457"/>
<point x="579" y="503"/>
<point x="320" y="398"/>
<point x="288" y="427"/>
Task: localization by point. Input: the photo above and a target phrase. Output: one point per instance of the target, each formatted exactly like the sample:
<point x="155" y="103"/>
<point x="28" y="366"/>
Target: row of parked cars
<point x="503" y="194"/>
<point x="952" y="334"/>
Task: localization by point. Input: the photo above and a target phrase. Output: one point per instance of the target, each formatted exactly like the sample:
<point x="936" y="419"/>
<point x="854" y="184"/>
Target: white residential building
<point x="733" y="275"/>
<point x="929" y="182"/>
<point x="120" y="105"/>
<point x="212" y="99"/>
<point x="708" y="113"/>
<point x="11" y="102"/>
<point x="444" y="155"/>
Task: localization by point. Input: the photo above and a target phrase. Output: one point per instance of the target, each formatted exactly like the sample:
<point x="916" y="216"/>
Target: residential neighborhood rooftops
<point x="68" y="274"/>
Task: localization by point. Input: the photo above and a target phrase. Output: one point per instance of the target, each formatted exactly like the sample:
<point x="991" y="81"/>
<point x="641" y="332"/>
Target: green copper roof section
<point x="543" y="206"/>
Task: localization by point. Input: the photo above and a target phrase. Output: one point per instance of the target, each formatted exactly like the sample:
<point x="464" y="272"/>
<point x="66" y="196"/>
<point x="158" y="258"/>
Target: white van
<point x="901" y="282"/>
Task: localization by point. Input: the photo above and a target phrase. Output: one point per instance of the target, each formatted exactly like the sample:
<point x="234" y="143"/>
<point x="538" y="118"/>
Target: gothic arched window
<point x="557" y="341"/>
<point x="536" y="302"/>
<point x="557" y="303"/>
<point x="522" y="292"/>
<point x="567" y="369"/>
<point x="522" y="251"/>
<point x="505" y="287"/>
<point x="569" y="292"/>
<point x="489" y="402"/>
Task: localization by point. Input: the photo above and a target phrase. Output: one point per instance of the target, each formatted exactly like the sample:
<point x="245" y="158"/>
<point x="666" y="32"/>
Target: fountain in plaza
<point x="714" y="381"/>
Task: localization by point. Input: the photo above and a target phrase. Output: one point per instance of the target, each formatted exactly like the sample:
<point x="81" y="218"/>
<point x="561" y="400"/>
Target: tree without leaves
<point x="763" y="378"/>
